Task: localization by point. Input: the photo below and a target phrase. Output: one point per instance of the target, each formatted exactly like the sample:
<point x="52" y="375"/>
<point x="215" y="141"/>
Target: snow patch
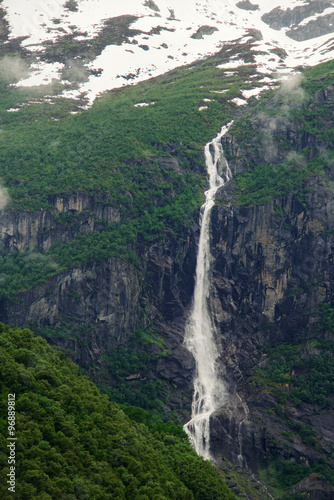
<point x="238" y="101"/>
<point x="326" y="12"/>
<point x="42" y="21"/>
<point x="231" y="64"/>
<point x="254" y="92"/>
<point x="44" y="75"/>
<point x="266" y="79"/>
<point x="219" y="91"/>
<point x="143" y="104"/>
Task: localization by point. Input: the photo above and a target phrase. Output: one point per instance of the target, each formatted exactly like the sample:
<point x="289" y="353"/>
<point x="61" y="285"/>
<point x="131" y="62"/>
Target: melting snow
<point x="330" y="10"/>
<point x="231" y="64"/>
<point x="266" y="79"/>
<point x="44" y="75"/>
<point x="41" y="21"/>
<point x="254" y="92"/>
<point x="238" y="101"/>
<point x="143" y="104"/>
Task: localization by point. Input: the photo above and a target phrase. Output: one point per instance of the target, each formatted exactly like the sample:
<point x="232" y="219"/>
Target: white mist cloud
<point x="13" y="69"/>
<point x="292" y="90"/>
<point x="290" y="95"/>
<point x="75" y="72"/>
<point x="4" y="197"/>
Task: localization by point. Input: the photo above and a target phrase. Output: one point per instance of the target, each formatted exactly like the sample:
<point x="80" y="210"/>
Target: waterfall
<point x="241" y="459"/>
<point x="209" y="390"/>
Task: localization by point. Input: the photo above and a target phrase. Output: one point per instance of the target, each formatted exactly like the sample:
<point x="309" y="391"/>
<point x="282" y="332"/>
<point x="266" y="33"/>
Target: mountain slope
<point x="71" y="45"/>
<point x="272" y="296"/>
<point x="99" y="220"/>
<point x="271" y="243"/>
<point x="73" y="443"/>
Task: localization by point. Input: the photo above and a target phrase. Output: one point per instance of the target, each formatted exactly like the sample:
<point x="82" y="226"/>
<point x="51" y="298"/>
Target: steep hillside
<point x="102" y="216"/>
<point x="71" y="442"/>
<point x="82" y="48"/>
<point x="99" y="231"/>
<point x="272" y="290"/>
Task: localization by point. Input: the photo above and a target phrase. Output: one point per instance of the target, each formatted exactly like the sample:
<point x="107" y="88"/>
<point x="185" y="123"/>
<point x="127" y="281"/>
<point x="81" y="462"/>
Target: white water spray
<point x="209" y="390"/>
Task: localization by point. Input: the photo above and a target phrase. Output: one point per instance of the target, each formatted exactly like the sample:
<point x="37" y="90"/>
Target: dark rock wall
<point x="102" y="305"/>
<point x="273" y="265"/>
<point x="295" y="19"/>
<point x="21" y="230"/>
<point x="270" y="273"/>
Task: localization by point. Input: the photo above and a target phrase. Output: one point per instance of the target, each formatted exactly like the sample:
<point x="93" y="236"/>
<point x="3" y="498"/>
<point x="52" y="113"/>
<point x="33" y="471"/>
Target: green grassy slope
<point x="111" y="151"/>
<point x="91" y="150"/>
<point x="300" y="109"/>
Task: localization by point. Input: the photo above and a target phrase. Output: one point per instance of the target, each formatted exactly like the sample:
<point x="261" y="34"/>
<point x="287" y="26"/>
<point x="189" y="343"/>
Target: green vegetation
<point x="112" y="147"/>
<point x="124" y="369"/>
<point x="268" y="181"/>
<point x="133" y="360"/>
<point x="284" y="474"/>
<point x="103" y="151"/>
<point x="72" y="442"/>
<point x="296" y="109"/>
<point x="301" y="372"/>
<point x="297" y="373"/>
<point x="21" y="271"/>
<point x="326" y="317"/>
<point x="116" y="153"/>
<point x="152" y="422"/>
<point x="318" y="77"/>
<point x="69" y="330"/>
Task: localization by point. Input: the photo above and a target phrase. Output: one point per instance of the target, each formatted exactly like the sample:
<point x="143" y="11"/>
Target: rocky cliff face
<point x="271" y="272"/>
<point x="21" y="230"/>
<point x="272" y="268"/>
<point x="302" y="20"/>
<point x="95" y="308"/>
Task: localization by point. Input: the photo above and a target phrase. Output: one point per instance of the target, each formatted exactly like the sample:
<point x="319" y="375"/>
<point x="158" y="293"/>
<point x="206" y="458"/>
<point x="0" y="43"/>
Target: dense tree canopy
<point x="73" y="443"/>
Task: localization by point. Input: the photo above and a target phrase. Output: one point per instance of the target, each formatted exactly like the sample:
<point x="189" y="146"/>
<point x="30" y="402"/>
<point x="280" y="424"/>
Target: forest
<point x="73" y="442"/>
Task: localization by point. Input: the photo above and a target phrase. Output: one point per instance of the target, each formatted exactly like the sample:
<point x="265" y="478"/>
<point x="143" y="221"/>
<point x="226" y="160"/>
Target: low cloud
<point x="4" y="197"/>
<point x="292" y="83"/>
<point x="75" y="72"/>
<point x="13" y="69"/>
<point x="291" y="92"/>
<point x="290" y="95"/>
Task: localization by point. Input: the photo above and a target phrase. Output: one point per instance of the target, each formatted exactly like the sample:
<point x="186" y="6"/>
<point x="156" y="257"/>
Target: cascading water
<point x="209" y="390"/>
<point x="241" y="459"/>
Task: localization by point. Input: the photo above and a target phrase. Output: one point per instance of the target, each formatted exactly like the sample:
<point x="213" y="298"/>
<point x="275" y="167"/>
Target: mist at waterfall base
<point x="209" y="390"/>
